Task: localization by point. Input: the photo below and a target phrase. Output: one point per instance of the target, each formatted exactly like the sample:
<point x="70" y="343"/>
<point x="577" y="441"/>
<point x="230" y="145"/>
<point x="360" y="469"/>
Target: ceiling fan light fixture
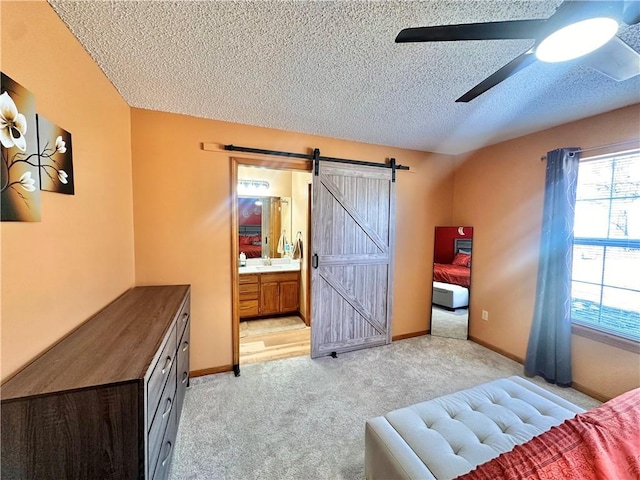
<point x="576" y="39"/>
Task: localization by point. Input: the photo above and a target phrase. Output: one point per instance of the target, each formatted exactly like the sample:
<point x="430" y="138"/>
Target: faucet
<point x="266" y="260"/>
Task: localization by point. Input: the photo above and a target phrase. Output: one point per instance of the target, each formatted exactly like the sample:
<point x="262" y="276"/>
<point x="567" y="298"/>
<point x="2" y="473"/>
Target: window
<point x="606" y="247"/>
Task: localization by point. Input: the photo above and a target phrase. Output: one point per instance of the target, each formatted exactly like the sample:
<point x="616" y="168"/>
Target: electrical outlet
<point x="485" y="315"/>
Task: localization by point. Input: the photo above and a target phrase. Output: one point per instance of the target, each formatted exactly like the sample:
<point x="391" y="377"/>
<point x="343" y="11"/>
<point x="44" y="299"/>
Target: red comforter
<point x="455" y="274"/>
<point x="251" y="251"/>
<point x="603" y="443"/>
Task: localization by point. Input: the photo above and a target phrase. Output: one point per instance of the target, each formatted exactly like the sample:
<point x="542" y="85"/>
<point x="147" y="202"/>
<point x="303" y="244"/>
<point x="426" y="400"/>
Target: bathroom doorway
<point x="270" y="261"/>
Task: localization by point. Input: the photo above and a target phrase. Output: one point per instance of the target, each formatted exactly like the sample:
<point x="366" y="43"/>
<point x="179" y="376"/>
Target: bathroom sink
<point x="278" y="267"/>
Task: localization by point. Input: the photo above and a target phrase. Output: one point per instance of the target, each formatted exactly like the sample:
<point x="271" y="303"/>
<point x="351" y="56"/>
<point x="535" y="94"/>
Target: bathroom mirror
<point x="452" y="260"/>
<point x="264" y="225"/>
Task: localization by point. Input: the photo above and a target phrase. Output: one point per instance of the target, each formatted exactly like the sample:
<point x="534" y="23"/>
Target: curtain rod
<point x="618" y="144"/>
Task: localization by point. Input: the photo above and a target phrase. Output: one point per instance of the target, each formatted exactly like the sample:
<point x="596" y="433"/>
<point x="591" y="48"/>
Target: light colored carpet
<point x="249" y="328"/>
<point x="299" y="418"/>
<point x="445" y="323"/>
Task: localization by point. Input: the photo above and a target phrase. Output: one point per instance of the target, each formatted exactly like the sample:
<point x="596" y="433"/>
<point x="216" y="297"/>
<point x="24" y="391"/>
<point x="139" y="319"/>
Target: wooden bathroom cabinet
<point x="271" y="293"/>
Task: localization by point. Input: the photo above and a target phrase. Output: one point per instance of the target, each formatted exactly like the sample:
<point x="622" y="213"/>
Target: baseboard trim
<point x="404" y="336"/>
<point x="210" y="371"/>
<point x="504" y="353"/>
<point x="590" y="392"/>
<point x="576" y="386"/>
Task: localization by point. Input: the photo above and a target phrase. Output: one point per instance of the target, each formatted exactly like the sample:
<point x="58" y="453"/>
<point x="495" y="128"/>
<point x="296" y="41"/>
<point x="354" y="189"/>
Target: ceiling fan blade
<point x="511" y="29"/>
<point x="615" y="59"/>
<point x="511" y="68"/>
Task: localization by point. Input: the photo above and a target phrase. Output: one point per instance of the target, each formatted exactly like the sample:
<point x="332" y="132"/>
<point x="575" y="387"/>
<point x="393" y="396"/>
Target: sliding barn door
<point x="352" y="226"/>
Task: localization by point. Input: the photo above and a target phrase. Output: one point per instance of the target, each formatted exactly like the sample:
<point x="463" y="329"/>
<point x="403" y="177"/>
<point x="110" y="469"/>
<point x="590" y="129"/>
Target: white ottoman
<point x="451" y="435"/>
<point x="450" y="296"/>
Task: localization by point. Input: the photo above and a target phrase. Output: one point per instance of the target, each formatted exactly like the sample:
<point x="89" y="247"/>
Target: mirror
<point x="264" y="226"/>
<point x="451" y="282"/>
<point x="264" y="211"/>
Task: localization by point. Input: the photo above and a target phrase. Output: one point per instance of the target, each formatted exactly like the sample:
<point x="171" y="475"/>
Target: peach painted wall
<point x="58" y="272"/>
<point x="183" y="217"/>
<point x="499" y="191"/>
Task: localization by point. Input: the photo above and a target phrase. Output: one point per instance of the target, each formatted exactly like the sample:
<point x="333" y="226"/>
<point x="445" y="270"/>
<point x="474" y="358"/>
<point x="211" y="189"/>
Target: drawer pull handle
<point x="185" y="346"/>
<point x="166" y="412"/>
<point x="167" y="365"/>
<point x="185" y="377"/>
<point x="164" y="462"/>
<point x="185" y="315"/>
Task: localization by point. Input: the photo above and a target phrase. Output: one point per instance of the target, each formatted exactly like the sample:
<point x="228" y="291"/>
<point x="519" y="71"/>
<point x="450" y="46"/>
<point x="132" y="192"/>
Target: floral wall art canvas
<point x="55" y="156"/>
<point x="19" y="177"/>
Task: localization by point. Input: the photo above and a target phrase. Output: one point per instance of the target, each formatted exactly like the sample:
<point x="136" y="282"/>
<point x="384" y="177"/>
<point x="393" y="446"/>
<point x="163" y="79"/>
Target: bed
<point x="508" y="428"/>
<point x="453" y="274"/>
<point x="459" y="271"/>
<point x="250" y="240"/>
<point x="250" y="245"/>
<point x="603" y="443"/>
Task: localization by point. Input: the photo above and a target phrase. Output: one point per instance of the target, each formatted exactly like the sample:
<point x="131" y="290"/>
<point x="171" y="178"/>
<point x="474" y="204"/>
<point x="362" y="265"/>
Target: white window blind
<point x="606" y="248"/>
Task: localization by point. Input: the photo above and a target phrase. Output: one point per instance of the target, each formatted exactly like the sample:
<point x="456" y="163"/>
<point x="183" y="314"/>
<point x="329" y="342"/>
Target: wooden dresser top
<point x="115" y="345"/>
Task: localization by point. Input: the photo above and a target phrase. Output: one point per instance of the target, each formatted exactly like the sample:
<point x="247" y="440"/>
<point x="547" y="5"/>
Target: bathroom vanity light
<point x="253" y="186"/>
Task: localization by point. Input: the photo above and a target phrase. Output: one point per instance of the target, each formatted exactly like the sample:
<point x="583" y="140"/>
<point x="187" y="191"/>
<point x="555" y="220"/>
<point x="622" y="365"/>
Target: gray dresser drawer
<point x="162" y="417"/>
<point x="183" y="366"/>
<point x="163" y="464"/>
<point x="183" y="318"/>
<point x="160" y="374"/>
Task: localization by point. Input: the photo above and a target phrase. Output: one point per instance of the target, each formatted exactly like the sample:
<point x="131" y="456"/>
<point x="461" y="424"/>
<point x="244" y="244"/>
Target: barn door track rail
<point x="315" y="157"/>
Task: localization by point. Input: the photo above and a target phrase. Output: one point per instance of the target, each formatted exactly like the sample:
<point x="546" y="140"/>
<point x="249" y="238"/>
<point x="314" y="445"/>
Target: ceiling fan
<point x="587" y="26"/>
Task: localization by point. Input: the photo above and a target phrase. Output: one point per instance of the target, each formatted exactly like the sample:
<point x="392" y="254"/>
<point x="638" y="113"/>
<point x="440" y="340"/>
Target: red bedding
<point x="251" y="251"/>
<point x="250" y="245"/>
<point x="603" y="443"/>
<point x="455" y="274"/>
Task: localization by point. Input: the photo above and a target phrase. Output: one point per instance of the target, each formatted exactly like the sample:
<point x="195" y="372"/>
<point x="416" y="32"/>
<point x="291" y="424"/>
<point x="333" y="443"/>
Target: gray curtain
<point x="549" y="349"/>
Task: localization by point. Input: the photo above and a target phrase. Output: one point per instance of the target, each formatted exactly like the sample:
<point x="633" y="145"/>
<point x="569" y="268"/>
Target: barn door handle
<point x="314" y="261"/>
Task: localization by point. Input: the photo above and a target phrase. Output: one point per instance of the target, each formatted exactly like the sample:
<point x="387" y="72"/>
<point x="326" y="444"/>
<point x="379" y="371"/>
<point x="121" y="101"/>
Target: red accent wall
<point x="248" y="212"/>
<point x="443" y="245"/>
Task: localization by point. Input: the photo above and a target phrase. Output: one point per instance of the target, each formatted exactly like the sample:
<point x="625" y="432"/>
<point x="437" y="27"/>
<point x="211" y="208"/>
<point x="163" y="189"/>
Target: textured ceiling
<point x="333" y="69"/>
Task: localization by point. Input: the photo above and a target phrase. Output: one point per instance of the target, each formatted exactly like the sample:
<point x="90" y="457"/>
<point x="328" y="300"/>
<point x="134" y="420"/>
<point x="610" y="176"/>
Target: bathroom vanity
<point x="269" y="289"/>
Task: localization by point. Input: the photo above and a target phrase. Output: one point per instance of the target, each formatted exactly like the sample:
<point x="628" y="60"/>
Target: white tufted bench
<point x="450" y="296"/>
<point x="451" y="435"/>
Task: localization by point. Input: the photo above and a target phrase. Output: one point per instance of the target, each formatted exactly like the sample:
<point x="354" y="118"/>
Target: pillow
<point x="462" y="259"/>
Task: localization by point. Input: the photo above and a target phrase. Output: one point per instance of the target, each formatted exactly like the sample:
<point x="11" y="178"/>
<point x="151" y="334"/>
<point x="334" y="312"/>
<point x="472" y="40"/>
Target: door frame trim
<point x="273" y="164"/>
